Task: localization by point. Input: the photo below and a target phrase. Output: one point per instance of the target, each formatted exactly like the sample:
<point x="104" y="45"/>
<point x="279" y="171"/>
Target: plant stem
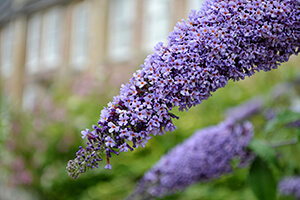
<point x="292" y="141"/>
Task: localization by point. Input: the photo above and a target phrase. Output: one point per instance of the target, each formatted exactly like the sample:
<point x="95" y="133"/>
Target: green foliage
<point x="264" y="151"/>
<point x="261" y="180"/>
<point x="281" y="120"/>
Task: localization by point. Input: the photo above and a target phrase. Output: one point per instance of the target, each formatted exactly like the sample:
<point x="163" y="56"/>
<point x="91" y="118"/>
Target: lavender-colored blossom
<point x="112" y="127"/>
<point x="84" y="133"/>
<point x="123" y="147"/>
<point x="290" y="186"/>
<point x="109" y="142"/>
<point x="108" y="166"/>
<point x="226" y="39"/>
<point x="204" y="156"/>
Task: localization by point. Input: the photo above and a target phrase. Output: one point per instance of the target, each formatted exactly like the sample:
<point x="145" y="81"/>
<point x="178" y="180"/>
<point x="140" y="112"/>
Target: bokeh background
<point x="61" y="61"/>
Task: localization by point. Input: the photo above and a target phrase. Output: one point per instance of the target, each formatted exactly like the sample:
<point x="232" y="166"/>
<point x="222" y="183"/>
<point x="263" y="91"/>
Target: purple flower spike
<point x="204" y="156"/>
<point x="226" y="39"/>
<point x="290" y="186"/>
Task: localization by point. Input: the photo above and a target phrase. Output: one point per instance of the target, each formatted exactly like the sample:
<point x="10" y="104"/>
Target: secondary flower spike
<point x="290" y="186"/>
<point x="226" y="39"/>
<point x="206" y="155"/>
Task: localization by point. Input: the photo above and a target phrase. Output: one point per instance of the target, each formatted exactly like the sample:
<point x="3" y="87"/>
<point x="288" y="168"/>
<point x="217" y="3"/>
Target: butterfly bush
<point x="225" y="40"/>
<point x="290" y="186"/>
<point x="206" y="155"/>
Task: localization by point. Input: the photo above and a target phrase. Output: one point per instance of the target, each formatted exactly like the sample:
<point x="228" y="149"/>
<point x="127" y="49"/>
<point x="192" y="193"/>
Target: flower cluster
<point x="204" y="156"/>
<point x="226" y="39"/>
<point x="290" y="186"/>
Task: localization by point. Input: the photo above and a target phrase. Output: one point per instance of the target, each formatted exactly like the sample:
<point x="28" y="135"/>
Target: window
<point x="33" y="43"/>
<point x="156" y="21"/>
<point x="194" y="4"/>
<point x="7" y="45"/>
<point x="79" y="39"/>
<point x="52" y="35"/>
<point x="121" y="24"/>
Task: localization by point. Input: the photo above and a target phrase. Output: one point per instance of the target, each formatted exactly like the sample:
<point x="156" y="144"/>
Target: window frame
<point x="52" y="37"/>
<point x="7" y="50"/>
<point x="151" y="35"/>
<point x="80" y="35"/>
<point x="122" y="14"/>
<point x="33" y="48"/>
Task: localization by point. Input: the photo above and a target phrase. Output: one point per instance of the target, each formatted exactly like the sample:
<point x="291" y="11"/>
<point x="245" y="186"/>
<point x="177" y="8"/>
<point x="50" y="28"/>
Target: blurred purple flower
<point x="246" y="109"/>
<point x="281" y="89"/>
<point x="290" y="186"/>
<point x="206" y="155"/>
<point x="21" y="175"/>
<point x="224" y="40"/>
<point x="84" y="85"/>
<point x="295" y="124"/>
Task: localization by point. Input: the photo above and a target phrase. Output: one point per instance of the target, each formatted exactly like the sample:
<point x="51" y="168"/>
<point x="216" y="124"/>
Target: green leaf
<point x="235" y="163"/>
<point x="298" y="135"/>
<point x="282" y="119"/>
<point x="261" y="180"/>
<point x="263" y="150"/>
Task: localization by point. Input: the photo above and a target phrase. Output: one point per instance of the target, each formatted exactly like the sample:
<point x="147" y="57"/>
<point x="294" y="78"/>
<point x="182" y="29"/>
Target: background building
<point x="48" y="41"/>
